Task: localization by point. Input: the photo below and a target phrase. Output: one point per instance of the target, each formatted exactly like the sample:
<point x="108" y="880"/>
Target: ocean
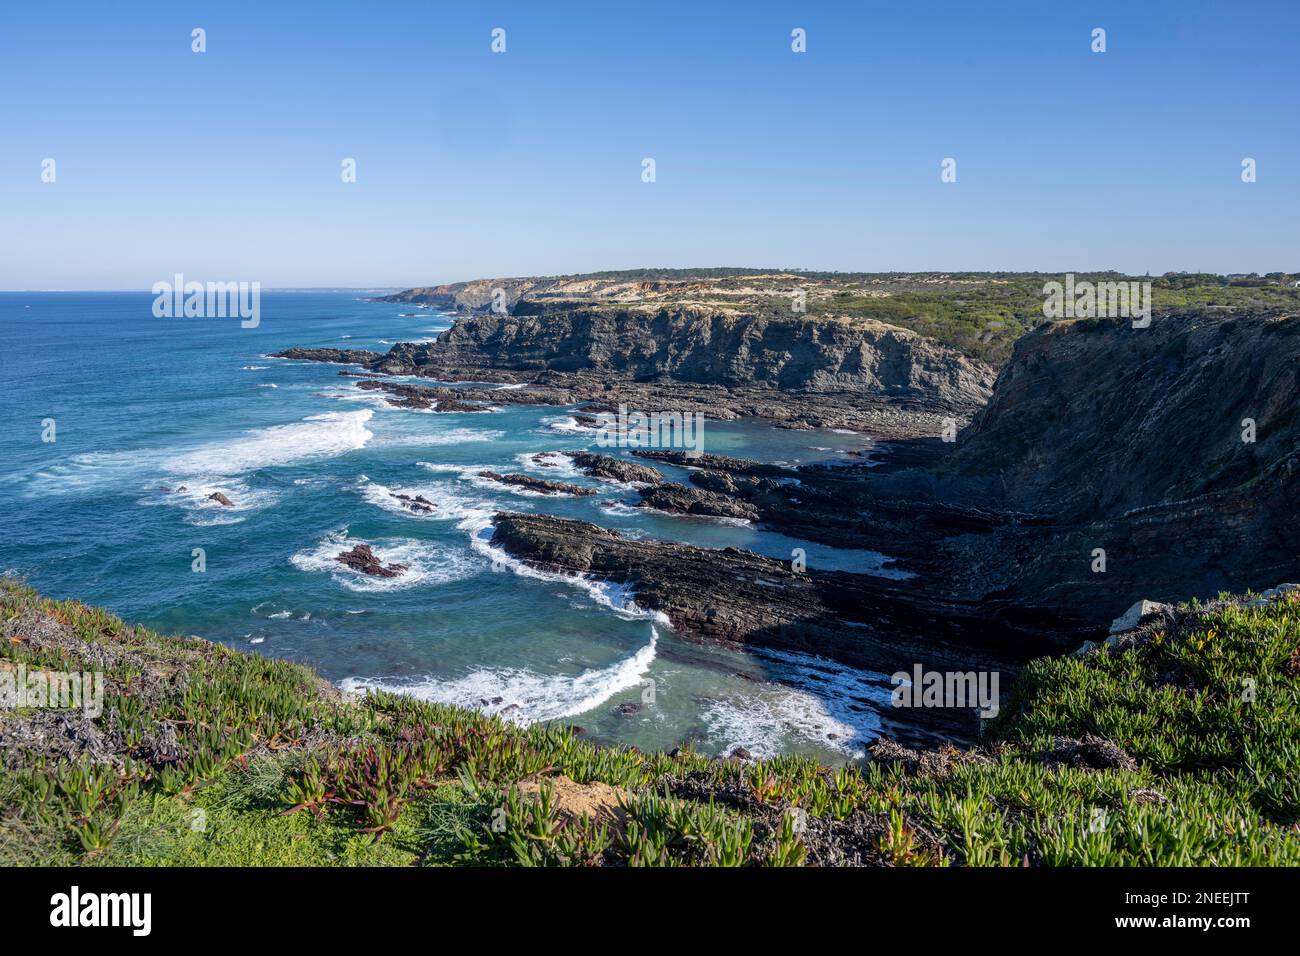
<point x="107" y="406"/>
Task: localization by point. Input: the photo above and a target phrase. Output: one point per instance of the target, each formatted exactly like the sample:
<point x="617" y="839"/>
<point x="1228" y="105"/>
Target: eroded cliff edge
<point x="798" y="371"/>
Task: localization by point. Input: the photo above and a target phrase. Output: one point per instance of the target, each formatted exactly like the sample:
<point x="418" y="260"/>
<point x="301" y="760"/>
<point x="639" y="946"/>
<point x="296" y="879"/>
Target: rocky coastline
<point x="1022" y="507"/>
<point x="795" y="371"/>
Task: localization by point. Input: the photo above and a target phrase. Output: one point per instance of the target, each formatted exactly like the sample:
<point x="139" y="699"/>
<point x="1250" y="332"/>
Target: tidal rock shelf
<point x="738" y="598"/>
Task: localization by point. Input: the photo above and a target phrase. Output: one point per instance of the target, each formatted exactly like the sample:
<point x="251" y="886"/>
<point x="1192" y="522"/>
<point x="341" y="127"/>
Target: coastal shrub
<point x="204" y="754"/>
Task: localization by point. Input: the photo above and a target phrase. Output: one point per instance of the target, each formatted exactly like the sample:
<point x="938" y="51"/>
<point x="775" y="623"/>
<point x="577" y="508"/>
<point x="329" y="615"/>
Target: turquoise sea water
<point x="140" y="403"/>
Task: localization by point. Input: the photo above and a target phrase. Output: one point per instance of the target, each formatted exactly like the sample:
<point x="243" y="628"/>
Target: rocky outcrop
<point x="710" y="462"/>
<point x="416" y="503"/>
<point x="221" y="499"/>
<point x="1130" y="449"/>
<point x="696" y="501"/>
<point x="614" y="469"/>
<point x="474" y="296"/>
<point x="740" y="598"/>
<point x="1093" y="418"/>
<point x="1139" y="613"/>
<point x="363" y="558"/>
<point x="539" y="485"/>
<point x="460" y="398"/>
<point x="649" y="345"/>
<point x="336" y="356"/>
<point x="701" y="346"/>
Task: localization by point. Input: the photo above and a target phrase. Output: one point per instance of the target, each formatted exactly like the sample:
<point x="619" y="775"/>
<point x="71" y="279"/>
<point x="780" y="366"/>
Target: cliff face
<point x="694" y="345"/>
<point x="1130" y="441"/>
<point x="1091" y="420"/>
<point x="474" y="296"/>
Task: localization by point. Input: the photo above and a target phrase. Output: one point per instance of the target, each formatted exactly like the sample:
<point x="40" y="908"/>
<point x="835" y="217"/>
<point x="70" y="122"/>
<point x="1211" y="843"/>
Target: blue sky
<point x="225" y="165"/>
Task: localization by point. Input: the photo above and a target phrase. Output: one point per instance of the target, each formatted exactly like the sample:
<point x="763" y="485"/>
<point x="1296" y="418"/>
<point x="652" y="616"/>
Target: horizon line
<point x="890" y="272"/>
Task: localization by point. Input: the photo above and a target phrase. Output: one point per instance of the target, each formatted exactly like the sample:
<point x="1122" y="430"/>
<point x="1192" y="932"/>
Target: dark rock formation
<point x="705" y="346"/>
<point x="417" y="503"/>
<point x="724" y="362"/>
<point x="363" y="558"/>
<point x="739" y="598"/>
<point x="539" y="485"/>
<point x="548" y="459"/>
<point x="696" y="501"/>
<point x="614" y="469"/>
<point x="460" y="398"/>
<point x="715" y="463"/>
<point x="338" y="356"/>
<point x="221" y="499"/>
<point x="1105" y="438"/>
<point x="1001" y="528"/>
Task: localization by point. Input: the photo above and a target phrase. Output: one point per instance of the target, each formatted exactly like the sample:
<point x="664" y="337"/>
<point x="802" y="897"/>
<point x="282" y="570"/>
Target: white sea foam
<point x="450" y="436"/>
<point x="814" y="699"/>
<point x="447" y="506"/>
<point x="341" y="393"/>
<point x="490" y="484"/>
<point x="82" y="473"/>
<point x="317" y="436"/>
<point x="426" y="564"/>
<point x="194" y="496"/>
<point x="272" y="611"/>
<point x="552" y="463"/>
<point x="731" y="522"/>
<point x="618" y="598"/>
<point x="444" y="467"/>
<point x="525" y="696"/>
<point x="566" y="425"/>
<point x="470" y="475"/>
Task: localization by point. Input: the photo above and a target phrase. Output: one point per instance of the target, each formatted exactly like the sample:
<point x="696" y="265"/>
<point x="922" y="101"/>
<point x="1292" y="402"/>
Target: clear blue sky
<point x="226" y="165"/>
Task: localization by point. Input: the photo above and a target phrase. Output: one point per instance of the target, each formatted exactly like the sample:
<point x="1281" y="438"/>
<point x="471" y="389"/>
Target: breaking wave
<point x="812" y="698"/>
<point x="426" y="564"/>
<point x="317" y="436"/>
<point x="524" y="696"/>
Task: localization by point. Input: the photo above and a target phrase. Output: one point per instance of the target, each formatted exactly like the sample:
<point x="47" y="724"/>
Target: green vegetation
<point x="208" y="756"/>
<point x="981" y="314"/>
<point x="983" y="319"/>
